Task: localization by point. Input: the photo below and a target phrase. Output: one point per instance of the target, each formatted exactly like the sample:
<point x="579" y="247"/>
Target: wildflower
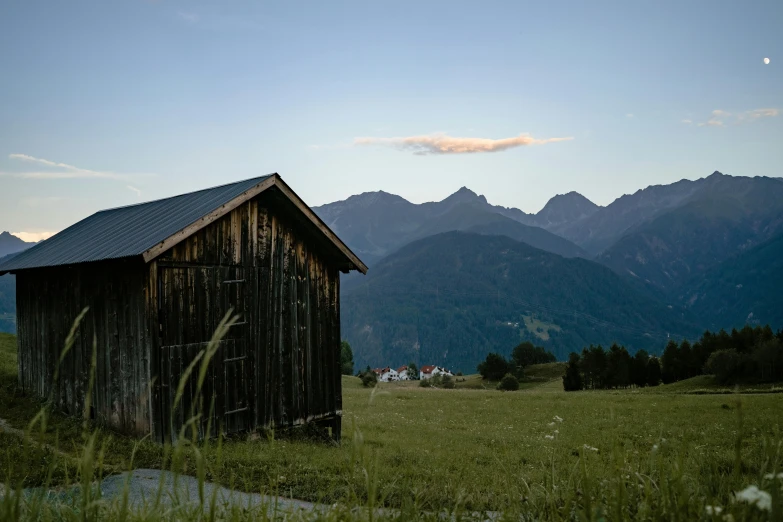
<point x="557" y="431"/>
<point x="771" y="476"/>
<point x="753" y="495"/>
<point x="713" y="510"/>
<point x="590" y="448"/>
<point x="655" y="448"/>
<point x="558" y="419"/>
<point x="551" y="423"/>
<point x="550" y="437"/>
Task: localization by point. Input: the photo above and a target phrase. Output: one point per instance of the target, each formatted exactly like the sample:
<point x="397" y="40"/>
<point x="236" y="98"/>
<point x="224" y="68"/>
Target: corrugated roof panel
<point x="126" y="231"/>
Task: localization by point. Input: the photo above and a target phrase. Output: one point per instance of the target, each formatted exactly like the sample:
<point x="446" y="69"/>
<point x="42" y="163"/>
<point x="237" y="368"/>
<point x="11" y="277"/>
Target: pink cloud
<point x="444" y="144"/>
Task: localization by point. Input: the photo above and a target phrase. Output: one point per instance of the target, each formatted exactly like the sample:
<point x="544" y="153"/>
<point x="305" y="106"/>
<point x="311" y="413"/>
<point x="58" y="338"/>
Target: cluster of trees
<point x="597" y="368"/>
<point x="438" y="381"/>
<point x="495" y="366"/>
<point x="752" y="354"/>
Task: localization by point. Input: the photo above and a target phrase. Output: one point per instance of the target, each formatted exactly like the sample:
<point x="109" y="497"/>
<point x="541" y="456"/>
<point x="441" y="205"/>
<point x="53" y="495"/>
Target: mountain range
<point x="10" y="244"/>
<point x="705" y="251"/>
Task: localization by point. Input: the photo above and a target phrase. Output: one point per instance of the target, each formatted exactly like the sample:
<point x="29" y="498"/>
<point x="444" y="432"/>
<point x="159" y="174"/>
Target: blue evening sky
<point x="137" y="100"/>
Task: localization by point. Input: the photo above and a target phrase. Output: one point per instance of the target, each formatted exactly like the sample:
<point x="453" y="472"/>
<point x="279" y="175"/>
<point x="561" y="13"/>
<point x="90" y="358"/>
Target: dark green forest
<point x="748" y="355"/>
<point x="452" y="298"/>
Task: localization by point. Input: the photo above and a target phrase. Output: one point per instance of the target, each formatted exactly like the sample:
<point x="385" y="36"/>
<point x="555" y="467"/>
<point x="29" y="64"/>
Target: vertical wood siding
<point x="48" y="301"/>
<point x="280" y="365"/>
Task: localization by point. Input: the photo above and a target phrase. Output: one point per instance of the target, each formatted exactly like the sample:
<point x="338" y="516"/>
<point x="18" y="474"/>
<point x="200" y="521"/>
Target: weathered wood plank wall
<point x="48" y="301"/>
<point x="281" y="276"/>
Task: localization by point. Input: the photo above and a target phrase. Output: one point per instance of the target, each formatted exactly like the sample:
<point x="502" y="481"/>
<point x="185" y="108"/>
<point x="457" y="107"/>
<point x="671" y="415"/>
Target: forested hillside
<point x="450" y="299"/>
<point x="745" y="289"/>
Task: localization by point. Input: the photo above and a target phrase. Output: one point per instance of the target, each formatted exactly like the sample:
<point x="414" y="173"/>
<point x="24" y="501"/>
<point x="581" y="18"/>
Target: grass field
<point x="538" y="452"/>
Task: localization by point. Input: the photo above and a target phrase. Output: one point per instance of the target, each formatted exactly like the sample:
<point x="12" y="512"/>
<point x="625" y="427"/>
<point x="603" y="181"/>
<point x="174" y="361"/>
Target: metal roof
<point x="126" y="231"/>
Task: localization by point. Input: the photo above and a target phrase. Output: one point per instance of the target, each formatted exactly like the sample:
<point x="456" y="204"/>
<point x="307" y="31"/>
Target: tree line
<point x="749" y="355"/>
<point x="752" y="354"/>
<point x="495" y="366"/>
<point x="596" y="368"/>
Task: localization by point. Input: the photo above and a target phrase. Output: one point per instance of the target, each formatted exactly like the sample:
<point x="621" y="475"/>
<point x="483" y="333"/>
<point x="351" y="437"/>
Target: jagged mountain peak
<point x="565" y="208"/>
<point x="465" y="195"/>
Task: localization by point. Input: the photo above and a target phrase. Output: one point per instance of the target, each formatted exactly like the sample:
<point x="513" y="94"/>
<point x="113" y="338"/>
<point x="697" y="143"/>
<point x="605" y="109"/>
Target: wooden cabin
<point x="158" y="277"/>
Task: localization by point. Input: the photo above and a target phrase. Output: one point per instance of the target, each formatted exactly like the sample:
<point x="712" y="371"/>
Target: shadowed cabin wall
<point x="48" y="302"/>
<point x="288" y="301"/>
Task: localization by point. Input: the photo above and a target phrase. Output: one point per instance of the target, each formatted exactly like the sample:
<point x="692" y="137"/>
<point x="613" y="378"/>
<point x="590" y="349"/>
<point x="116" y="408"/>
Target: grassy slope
<point x="705" y="384"/>
<point x="483" y="448"/>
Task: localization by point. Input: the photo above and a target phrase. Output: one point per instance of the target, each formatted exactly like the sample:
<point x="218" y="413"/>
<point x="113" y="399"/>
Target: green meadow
<point x="417" y="453"/>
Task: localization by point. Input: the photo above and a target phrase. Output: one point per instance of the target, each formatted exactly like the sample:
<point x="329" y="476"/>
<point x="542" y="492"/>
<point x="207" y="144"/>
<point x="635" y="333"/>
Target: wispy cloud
<point x="721" y="118"/>
<point x="134" y="190"/>
<point x="757" y="113"/>
<point x="33" y="236"/>
<point x="444" y="144"/>
<point x="190" y="18"/>
<point x="629" y="115"/>
<point x="60" y="170"/>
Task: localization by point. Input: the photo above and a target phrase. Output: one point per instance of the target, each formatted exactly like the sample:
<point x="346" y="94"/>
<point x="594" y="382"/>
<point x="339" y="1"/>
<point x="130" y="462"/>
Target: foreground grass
<point x="617" y="455"/>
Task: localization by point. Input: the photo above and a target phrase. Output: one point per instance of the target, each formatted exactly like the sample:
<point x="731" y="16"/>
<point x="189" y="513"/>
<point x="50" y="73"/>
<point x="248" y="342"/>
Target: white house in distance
<point x="428" y="372"/>
<point x="402" y="373"/>
<point x="386" y="374"/>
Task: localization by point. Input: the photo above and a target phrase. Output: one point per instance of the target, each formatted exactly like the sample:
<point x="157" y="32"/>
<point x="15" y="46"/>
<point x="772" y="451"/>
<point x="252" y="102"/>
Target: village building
<point x="386" y="374"/>
<point x="430" y="371"/>
<point x="156" y="279"/>
<point x="402" y="373"/>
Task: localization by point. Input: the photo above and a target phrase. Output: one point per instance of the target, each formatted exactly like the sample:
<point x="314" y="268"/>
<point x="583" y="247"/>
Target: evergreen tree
<point x="685" y="361"/>
<point x="572" y="380"/>
<point x="618" y="367"/>
<point x="639" y="369"/>
<point x="653" y="372"/>
<point x="346" y="358"/>
<point x="670" y="362"/>
<point x="413" y="371"/>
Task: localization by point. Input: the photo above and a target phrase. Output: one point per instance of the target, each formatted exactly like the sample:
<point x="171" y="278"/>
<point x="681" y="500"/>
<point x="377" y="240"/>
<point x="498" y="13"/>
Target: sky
<point x="104" y="104"/>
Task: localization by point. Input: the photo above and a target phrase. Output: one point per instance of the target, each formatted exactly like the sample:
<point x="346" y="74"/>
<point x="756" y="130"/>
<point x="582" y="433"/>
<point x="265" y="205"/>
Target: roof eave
<point x="274" y="180"/>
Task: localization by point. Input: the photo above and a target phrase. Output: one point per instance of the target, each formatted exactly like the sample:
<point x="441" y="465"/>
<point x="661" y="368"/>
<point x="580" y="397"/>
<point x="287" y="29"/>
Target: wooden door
<point x="192" y="302"/>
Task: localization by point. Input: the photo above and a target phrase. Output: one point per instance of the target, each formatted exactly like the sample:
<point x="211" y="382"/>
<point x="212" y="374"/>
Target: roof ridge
<point x="187" y="193"/>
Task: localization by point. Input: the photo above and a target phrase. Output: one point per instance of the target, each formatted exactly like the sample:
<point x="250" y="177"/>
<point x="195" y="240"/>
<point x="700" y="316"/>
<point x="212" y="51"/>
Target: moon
<point x="766" y="61"/>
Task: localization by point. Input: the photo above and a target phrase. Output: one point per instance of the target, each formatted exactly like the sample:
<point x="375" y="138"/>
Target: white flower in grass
<point x="558" y="419"/>
<point x="753" y="495"/>
<point x="590" y="448"/>
<point x="771" y="476"/>
<point x="551" y="423"/>
<point x="713" y="510"/>
<point x="550" y="437"/>
<point x="655" y="448"/>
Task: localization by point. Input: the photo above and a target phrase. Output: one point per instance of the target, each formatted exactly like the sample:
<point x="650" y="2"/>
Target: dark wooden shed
<point x="157" y="278"/>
